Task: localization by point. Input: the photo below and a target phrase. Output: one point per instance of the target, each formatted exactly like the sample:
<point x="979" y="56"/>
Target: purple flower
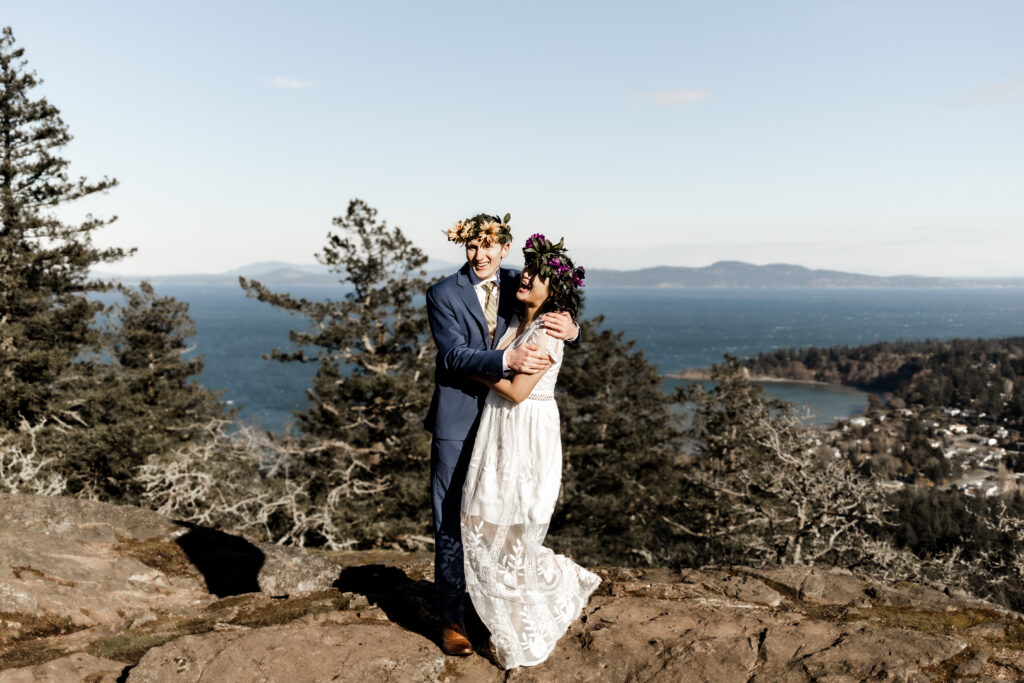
<point x="563" y="268"/>
<point x="554" y="262"/>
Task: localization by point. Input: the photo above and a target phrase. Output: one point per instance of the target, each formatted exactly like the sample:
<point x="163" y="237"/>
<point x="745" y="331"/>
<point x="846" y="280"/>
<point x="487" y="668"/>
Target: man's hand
<point x="560" y="325"/>
<point x="527" y="359"/>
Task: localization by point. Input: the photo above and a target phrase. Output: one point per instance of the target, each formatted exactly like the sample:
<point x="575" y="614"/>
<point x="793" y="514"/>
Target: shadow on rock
<point x="407" y="603"/>
<point x="229" y="564"/>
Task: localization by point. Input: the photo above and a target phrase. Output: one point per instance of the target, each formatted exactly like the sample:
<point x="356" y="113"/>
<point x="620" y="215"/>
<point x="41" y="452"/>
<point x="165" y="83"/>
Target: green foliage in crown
<point x="552" y="263"/>
<point x="490" y="229"/>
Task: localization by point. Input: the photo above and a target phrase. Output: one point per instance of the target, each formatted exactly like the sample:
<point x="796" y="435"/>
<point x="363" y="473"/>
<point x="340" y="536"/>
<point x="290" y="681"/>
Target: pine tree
<point x="98" y="388"/>
<point x="142" y="401"/>
<point x="621" y="436"/>
<point x="373" y="380"/>
<point x="760" y="492"/>
<point x="46" y="315"/>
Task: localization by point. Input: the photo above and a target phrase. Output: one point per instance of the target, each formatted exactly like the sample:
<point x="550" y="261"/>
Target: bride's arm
<point x="515" y="389"/>
<point x="521" y="384"/>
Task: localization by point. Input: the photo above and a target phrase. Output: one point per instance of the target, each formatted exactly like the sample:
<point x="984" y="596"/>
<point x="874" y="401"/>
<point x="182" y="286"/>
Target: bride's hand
<point x="527" y="360"/>
<point x="560" y="325"/>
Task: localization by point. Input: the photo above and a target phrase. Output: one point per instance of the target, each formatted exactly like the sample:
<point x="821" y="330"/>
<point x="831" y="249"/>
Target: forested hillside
<point x="979" y="374"/>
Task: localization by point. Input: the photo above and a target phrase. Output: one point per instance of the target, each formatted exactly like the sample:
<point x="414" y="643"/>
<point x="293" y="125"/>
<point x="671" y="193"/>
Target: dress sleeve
<point x="551" y="345"/>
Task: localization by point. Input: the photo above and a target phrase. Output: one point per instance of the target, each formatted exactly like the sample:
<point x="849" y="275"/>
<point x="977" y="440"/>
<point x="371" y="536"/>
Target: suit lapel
<point x="468" y="294"/>
<point x="507" y="302"/>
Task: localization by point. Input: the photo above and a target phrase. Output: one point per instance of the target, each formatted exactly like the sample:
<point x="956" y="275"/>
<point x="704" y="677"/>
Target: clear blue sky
<point x="881" y="137"/>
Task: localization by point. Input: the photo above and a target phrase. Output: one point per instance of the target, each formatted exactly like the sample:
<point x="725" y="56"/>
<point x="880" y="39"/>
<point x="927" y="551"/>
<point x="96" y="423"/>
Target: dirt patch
<point x="129" y="647"/>
<point x="27" y="654"/>
<point x="418" y="566"/>
<point x="945" y="670"/>
<point x="946" y="623"/>
<point x="281" y="611"/>
<point x="165" y="556"/>
<point x="23" y="645"/>
<point x="240" y="611"/>
<point x="19" y="572"/>
<point x="33" y="626"/>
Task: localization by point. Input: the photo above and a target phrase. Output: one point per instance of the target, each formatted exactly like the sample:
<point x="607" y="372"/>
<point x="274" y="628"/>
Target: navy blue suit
<point x="463" y="349"/>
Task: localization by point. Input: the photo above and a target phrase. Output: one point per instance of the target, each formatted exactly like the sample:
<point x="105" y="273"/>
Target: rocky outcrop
<point x="81" y="576"/>
<point x="95" y="592"/>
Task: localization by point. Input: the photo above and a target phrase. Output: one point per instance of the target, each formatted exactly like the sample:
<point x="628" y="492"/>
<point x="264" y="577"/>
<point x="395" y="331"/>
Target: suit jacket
<point x="463" y="349"/>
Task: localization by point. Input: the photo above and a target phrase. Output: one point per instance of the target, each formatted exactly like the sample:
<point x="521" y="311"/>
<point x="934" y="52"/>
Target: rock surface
<point x="100" y="593"/>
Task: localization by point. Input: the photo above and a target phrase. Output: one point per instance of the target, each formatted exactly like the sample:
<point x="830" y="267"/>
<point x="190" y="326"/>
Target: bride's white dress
<point x="524" y="593"/>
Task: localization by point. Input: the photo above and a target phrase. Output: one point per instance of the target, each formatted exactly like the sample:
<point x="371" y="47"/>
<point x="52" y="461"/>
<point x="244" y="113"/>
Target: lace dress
<point x="524" y="593"/>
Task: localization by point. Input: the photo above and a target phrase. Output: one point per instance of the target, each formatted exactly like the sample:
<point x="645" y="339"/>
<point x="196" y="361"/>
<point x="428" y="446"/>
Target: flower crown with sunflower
<point x="489" y="228"/>
<point x="551" y="262"/>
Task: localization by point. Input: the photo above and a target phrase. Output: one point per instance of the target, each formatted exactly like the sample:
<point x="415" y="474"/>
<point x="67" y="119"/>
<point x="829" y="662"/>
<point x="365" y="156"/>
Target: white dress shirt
<point x="481" y="293"/>
<point x="481" y="296"/>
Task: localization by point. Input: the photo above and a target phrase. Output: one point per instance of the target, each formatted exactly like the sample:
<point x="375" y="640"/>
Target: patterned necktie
<point x="491" y="307"/>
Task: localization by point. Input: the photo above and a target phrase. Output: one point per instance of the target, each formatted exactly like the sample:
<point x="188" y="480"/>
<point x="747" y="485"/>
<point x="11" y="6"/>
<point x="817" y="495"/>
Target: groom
<point x="469" y="311"/>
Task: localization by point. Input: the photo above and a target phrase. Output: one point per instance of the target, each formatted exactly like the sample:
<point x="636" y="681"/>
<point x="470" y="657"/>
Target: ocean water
<point x="675" y="328"/>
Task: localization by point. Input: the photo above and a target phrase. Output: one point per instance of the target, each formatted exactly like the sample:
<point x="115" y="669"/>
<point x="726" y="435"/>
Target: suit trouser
<point x="449" y="461"/>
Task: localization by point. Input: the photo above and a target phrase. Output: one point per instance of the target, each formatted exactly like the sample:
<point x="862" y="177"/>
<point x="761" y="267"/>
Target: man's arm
<point x="560" y="325"/>
<point x="453" y="343"/>
<point x="518" y="387"/>
<point x="526" y="359"/>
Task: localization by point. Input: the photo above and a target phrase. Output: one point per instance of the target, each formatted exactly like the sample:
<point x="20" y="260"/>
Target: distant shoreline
<point x="721" y="275"/>
<point x="289" y="279"/>
<point x="704" y="375"/>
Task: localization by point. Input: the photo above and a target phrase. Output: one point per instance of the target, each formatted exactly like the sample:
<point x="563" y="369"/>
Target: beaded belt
<point x="541" y="397"/>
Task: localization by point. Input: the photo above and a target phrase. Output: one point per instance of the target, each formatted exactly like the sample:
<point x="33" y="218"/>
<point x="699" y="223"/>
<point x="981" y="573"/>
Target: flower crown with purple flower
<point x="551" y="262"/>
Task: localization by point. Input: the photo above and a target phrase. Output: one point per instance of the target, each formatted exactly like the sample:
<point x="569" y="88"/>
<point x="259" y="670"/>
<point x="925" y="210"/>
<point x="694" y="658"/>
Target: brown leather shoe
<point x="454" y="640"/>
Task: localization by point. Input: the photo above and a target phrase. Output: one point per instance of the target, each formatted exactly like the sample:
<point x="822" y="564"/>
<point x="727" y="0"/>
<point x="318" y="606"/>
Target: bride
<point x="524" y="593"/>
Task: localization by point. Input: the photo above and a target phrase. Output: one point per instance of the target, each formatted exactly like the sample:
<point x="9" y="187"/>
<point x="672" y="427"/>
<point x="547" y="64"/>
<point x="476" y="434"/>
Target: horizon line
<point x="443" y="263"/>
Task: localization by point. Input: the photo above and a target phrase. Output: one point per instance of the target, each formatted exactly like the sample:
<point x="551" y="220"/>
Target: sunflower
<point x="490" y="231"/>
<point x="455" y="232"/>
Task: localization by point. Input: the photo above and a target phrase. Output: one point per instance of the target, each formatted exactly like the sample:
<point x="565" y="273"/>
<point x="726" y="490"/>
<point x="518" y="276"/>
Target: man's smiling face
<point x="485" y="257"/>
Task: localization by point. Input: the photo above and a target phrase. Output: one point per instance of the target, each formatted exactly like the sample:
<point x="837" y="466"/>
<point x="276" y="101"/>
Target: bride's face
<point x="533" y="290"/>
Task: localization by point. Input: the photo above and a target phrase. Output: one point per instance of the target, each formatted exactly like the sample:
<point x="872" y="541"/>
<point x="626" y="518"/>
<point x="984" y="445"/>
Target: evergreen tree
<point x="141" y="402"/>
<point x="621" y="436"/>
<point x="46" y="317"/>
<point x="760" y="493"/>
<point x="98" y="389"/>
<point x="374" y="377"/>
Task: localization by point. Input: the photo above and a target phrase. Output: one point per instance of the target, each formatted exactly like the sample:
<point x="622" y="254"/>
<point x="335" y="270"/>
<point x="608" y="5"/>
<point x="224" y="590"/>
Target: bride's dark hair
<point x="562" y="296"/>
<point x="549" y="261"/>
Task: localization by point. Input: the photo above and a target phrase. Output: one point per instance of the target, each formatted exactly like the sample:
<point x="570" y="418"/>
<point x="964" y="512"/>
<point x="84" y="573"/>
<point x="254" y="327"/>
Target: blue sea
<point x="675" y="328"/>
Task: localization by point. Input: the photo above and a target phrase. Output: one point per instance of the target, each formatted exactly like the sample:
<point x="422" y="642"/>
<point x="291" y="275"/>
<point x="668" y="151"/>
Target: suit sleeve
<point x="452" y="342"/>
<point x="575" y="341"/>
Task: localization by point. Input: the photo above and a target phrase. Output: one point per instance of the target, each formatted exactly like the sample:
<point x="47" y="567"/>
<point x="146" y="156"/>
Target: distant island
<point x="719" y="275"/>
<point x="740" y="275"/>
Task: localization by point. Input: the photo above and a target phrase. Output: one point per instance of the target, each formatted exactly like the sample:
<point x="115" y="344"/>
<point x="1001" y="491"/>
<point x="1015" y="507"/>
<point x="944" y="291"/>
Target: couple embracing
<point x="496" y="452"/>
